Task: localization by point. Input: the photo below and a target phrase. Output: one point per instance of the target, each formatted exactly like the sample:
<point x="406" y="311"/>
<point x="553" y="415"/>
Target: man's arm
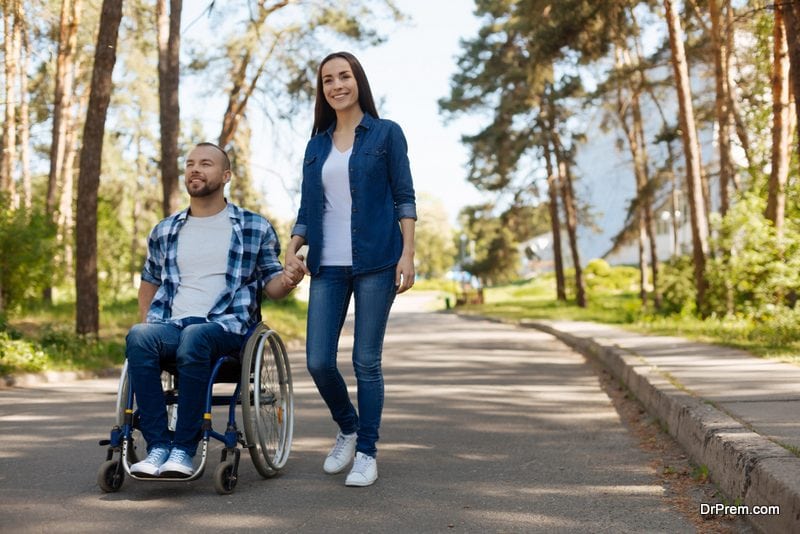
<point x="146" y="293"/>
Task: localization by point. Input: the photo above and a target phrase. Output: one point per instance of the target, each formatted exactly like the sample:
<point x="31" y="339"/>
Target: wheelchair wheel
<point x="110" y="476"/>
<point x="267" y="400"/>
<point x="167" y="383"/>
<point x="224" y="479"/>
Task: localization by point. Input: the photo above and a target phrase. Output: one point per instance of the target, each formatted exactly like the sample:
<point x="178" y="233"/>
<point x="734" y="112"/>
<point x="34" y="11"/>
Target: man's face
<point x="205" y="172"/>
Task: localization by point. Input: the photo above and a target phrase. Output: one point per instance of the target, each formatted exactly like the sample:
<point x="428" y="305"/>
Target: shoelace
<point x="361" y="464"/>
<point x="338" y="448"/>
<point x="179" y="456"/>
<point x="155" y="458"/>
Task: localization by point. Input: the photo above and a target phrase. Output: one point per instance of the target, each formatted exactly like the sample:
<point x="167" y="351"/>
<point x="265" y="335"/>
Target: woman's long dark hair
<point x="324" y="115"/>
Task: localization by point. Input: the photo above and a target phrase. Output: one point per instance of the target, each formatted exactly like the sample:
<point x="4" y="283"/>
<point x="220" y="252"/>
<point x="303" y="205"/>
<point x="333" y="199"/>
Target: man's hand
<point x="294" y="270"/>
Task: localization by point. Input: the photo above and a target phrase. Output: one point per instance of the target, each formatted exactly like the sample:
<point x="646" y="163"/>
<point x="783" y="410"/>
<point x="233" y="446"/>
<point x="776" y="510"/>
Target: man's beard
<point x="203" y="191"/>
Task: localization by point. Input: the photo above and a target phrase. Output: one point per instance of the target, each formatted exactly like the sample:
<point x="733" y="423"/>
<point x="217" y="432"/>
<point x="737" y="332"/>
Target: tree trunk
<point x="24" y="113"/>
<point x="791" y="20"/>
<point x="87" y="312"/>
<point x="776" y="197"/>
<point x="65" y="78"/>
<point x="691" y="149"/>
<point x="721" y="108"/>
<point x="571" y="216"/>
<point x="242" y="89"/>
<point x="169" y="44"/>
<point x="555" y="223"/>
<point x="9" y="125"/>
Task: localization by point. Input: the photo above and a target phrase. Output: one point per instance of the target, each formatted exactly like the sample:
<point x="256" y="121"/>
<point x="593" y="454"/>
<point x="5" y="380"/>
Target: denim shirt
<point x="381" y="189"/>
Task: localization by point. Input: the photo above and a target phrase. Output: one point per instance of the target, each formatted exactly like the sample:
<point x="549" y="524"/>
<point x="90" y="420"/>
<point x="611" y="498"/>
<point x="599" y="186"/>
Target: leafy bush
<point x="755" y="270"/>
<point x="600" y="277"/>
<point x="677" y="286"/>
<point x="27" y="244"/>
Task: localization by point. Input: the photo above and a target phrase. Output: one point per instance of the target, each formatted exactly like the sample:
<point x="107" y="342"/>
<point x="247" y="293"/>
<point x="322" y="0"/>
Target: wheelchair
<point x="263" y="389"/>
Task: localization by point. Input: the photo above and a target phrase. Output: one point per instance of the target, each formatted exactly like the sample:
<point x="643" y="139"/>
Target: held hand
<point x="404" y="274"/>
<point x="295" y="270"/>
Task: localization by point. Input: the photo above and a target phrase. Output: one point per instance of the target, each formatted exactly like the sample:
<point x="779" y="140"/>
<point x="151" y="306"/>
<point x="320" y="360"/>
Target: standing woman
<point x="357" y="215"/>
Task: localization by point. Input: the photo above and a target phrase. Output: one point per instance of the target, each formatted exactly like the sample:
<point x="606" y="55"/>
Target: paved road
<point x="487" y="428"/>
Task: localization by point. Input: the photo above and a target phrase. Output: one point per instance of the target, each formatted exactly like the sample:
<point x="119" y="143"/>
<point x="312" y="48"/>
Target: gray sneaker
<point x="149" y="466"/>
<point x="341" y="454"/>
<point x="364" y="471"/>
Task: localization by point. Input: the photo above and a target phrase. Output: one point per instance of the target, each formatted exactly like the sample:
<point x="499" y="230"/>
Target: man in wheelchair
<point x="198" y="296"/>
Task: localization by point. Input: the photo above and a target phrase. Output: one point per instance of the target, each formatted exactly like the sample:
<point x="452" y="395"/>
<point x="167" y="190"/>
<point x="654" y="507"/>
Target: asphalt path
<point x="486" y="428"/>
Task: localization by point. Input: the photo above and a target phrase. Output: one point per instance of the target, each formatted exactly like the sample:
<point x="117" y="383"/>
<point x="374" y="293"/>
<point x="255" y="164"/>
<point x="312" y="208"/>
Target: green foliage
<point x="759" y="271"/>
<point x="601" y="278"/>
<point x="433" y="243"/>
<point x="57" y="349"/>
<point x="27" y="242"/>
<point x="492" y="256"/>
<point x="677" y="286"/>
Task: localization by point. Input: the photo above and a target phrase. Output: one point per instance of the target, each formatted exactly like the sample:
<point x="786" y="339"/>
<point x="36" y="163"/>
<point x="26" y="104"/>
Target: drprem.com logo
<point x="724" y="509"/>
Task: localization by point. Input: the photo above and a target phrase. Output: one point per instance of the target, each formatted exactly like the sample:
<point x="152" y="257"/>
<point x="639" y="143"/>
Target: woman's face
<point x="339" y="85"/>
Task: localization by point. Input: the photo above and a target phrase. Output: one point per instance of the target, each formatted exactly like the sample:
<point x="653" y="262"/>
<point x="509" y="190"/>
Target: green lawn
<point x="535" y="299"/>
<point x="43" y="339"/>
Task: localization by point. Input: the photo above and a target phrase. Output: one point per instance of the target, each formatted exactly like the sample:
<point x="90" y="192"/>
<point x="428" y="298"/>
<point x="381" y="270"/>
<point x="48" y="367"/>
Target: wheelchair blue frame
<point x="112" y="473"/>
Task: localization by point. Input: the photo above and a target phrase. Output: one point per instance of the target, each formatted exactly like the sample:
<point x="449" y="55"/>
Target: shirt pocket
<point x="375" y="161"/>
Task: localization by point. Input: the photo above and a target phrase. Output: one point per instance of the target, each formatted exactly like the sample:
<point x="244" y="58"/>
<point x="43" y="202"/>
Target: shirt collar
<point x="366" y="122"/>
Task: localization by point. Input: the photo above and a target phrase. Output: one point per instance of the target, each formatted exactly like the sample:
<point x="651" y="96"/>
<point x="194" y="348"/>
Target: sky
<point x="408" y="74"/>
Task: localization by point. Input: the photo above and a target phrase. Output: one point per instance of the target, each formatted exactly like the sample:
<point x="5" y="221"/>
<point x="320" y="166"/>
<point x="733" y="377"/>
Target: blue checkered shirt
<point x="252" y="262"/>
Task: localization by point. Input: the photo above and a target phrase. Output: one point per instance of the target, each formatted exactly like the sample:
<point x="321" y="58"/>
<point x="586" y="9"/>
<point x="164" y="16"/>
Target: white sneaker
<point x="364" y="471"/>
<point x="149" y="466"/>
<point x="341" y="454"/>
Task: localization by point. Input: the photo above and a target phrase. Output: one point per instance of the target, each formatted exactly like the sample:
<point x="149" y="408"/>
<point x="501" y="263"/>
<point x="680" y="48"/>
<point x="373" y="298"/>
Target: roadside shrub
<point x="27" y="245"/>
<point x="677" y="286"/>
<point x="599" y="277"/>
<point x="753" y="270"/>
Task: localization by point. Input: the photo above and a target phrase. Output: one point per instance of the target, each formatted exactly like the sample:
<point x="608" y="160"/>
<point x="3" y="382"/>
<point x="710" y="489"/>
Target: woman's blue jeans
<point x="192" y="346"/>
<point x="328" y="301"/>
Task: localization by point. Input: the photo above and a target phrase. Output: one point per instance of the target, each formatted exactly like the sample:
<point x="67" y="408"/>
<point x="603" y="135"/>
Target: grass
<point x="42" y="338"/>
<point x="535" y="299"/>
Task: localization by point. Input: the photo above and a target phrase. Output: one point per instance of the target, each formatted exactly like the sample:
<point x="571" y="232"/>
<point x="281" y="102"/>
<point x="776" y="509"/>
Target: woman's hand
<point x="404" y="274"/>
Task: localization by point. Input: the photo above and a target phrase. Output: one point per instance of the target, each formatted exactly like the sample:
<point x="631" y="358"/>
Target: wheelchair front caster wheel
<point x="110" y="476"/>
<point x="224" y="478"/>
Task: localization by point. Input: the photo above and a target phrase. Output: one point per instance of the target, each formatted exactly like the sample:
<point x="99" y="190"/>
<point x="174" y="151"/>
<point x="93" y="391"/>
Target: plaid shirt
<point x="252" y="262"/>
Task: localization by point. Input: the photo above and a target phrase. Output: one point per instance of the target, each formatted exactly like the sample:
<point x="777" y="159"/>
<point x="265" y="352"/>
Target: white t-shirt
<point x="337" y="245"/>
<point x="203" y="245"/>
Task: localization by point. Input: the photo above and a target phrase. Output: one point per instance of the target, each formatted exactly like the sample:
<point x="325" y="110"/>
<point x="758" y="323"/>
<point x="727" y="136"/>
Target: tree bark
<point x="791" y="20"/>
<point x="571" y="216"/>
<point x="62" y="101"/>
<point x="169" y="41"/>
<point x="11" y="64"/>
<point x="24" y="112"/>
<point x="721" y="108"/>
<point x="555" y="223"/>
<point x="87" y="305"/>
<point x="776" y="196"/>
<point x="691" y="149"/>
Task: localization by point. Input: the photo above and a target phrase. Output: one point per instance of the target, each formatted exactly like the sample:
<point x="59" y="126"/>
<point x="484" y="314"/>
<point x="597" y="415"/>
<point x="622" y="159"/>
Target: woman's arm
<point x="404" y="277"/>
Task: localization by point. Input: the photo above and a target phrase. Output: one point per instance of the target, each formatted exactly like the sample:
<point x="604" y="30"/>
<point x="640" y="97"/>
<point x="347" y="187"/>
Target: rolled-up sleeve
<point x="268" y="263"/>
<point x="400" y="175"/>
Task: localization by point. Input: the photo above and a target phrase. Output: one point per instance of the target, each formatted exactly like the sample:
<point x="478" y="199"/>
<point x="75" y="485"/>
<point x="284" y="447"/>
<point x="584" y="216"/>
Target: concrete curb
<point x="750" y="469"/>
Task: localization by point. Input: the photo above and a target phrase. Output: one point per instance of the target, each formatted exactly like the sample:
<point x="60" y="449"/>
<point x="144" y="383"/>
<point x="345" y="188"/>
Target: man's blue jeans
<point x="192" y="347"/>
<point x="329" y="298"/>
